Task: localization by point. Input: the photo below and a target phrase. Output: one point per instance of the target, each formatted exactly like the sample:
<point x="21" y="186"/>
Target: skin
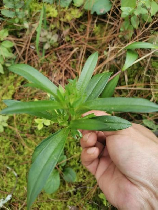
<point x="125" y="165"/>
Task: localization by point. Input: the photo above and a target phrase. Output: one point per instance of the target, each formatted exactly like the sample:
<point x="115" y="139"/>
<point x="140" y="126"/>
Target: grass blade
<point x="39" y="30"/>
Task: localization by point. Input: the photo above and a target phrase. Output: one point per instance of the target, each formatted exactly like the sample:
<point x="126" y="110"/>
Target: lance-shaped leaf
<point x="35" y="77"/>
<point x="87" y="72"/>
<point x="49" y="152"/>
<point x="101" y="123"/>
<point x="120" y="104"/>
<point x="138" y="45"/>
<point x="43" y="114"/>
<point x="110" y="87"/>
<point x="96" y="85"/>
<point x="131" y="56"/>
<point x="30" y="107"/>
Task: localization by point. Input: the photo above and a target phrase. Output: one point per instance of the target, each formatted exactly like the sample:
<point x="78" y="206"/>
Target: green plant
<point x="3" y="122"/>
<point x="6" y="54"/>
<point x="65" y="107"/>
<point x="136" y="11"/>
<point x="16" y="10"/>
<point x="53" y="182"/>
<point x="99" y="6"/>
<point x="48" y="38"/>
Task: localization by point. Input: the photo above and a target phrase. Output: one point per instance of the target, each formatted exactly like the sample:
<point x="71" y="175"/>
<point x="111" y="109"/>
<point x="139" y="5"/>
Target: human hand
<point x="126" y="168"/>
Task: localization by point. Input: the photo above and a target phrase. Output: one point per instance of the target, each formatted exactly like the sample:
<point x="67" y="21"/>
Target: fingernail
<point x="91" y="150"/>
<point x="86" y="136"/>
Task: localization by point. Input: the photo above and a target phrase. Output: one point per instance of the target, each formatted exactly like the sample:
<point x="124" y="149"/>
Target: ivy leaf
<point x="49" y="152"/>
<point x="131" y="56"/>
<point x="8" y="13"/>
<point x="69" y="175"/>
<point x="53" y="182"/>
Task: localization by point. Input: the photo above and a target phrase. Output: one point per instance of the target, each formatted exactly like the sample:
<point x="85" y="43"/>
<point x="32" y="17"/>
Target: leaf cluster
<point x="16" y="10"/>
<point x="3" y="122"/>
<point x="134" y="12"/>
<point x="65" y="107"/>
<point x="99" y="6"/>
<point x="5" y="50"/>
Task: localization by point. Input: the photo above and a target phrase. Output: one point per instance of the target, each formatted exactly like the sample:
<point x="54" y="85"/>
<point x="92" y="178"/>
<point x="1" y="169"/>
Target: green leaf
<point x="30" y="107"/>
<point x="101" y="7"/>
<point x="135" y="21"/>
<point x="154" y="8"/>
<point x="102" y="123"/>
<point x="78" y="3"/>
<point x="3" y="34"/>
<point x="150" y="124"/>
<point x="1" y="69"/>
<point x="44" y="164"/>
<point x="9" y="4"/>
<point x="121" y="104"/>
<point x="69" y="175"/>
<point x="49" y="1"/>
<point x="63" y="159"/>
<point x="131" y="3"/>
<point x="8" y="13"/>
<point x="140" y="11"/>
<point x="138" y="45"/>
<point x="42" y="114"/>
<point x="126" y="11"/>
<point x="110" y="87"/>
<point x="96" y="85"/>
<point x="39" y="30"/>
<point x="131" y="56"/>
<point x="87" y="72"/>
<point x="5" y="53"/>
<point x="7" y="44"/>
<point x="64" y="3"/>
<point x="53" y="182"/>
<point x="35" y="77"/>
